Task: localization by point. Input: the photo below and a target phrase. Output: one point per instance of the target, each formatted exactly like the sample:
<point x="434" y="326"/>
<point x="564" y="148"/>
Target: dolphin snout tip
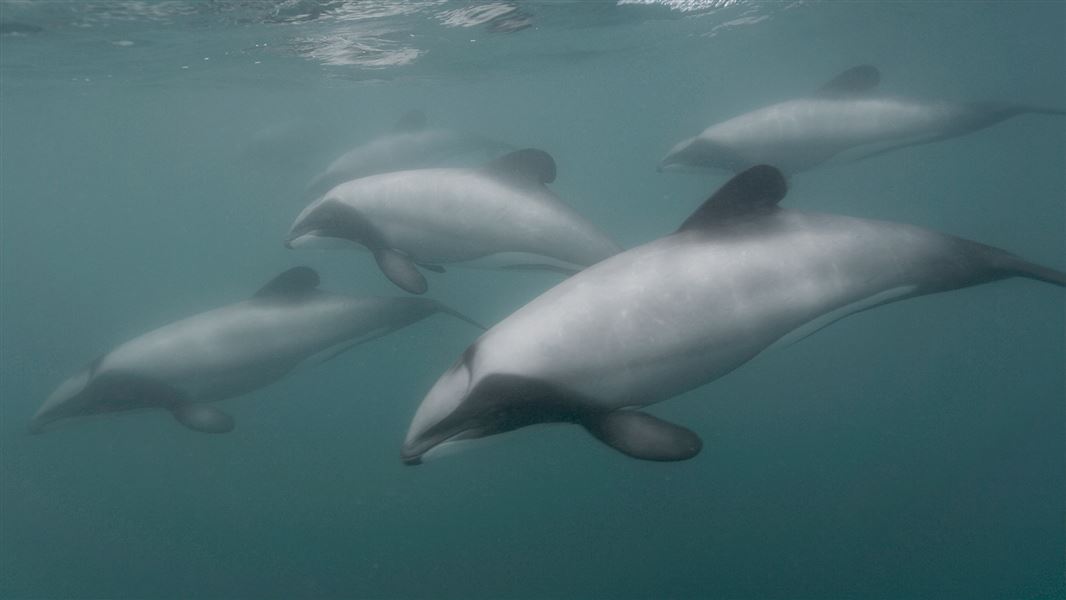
<point x="411" y="461"/>
<point x="287" y="244"/>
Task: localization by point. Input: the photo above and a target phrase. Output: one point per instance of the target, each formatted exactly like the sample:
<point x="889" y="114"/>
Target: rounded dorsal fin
<point x="856" y="80"/>
<point x="291" y="283"/>
<point x="528" y="164"/>
<point x="412" y="120"/>
<point x="753" y="191"/>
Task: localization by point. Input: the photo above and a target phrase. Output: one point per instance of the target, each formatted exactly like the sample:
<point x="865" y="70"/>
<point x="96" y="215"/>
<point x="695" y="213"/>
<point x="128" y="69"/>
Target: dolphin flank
<point x="501" y="215"/>
<point x="739" y="276"/>
<point x="230" y="351"/>
<point x="844" y="120"/>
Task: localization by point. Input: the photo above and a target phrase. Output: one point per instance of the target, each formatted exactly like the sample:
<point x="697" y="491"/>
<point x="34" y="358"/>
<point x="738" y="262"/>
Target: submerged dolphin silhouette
<point x="410" y="145"/>
<point x="231" y="351"/>
<point x="844" y="116"/>
<point x="650" y="323"/>
<point x="501" y="215"/>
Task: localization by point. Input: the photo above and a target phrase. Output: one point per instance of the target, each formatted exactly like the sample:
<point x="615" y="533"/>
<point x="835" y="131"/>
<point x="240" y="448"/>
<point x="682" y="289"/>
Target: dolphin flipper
<point x="202" y="418"/>
<point x="640" y="435"/>
<point x="400" y="270"/>
<point x="126" y="390"/>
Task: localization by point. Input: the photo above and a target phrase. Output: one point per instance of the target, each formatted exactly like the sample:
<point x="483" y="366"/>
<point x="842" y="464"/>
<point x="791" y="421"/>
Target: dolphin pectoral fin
<point x="400" y="270"/>
<point x="856" y="80"/>
<point x="640" y="435"/>
<point x="202" y="418"/>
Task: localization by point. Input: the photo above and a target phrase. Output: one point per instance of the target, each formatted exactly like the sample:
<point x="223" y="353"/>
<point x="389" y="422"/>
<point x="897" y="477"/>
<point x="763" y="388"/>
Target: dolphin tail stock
<point x="985" y="114"/>
<point x="1022" y="109"/>
<point x="1013" y="266"/>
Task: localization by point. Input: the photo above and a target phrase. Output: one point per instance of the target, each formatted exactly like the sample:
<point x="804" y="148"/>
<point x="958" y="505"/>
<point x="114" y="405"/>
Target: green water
<point x="153" y="155"/>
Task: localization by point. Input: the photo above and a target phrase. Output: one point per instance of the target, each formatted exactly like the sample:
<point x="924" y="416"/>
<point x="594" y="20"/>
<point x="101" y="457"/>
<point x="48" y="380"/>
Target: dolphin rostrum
<point x="500" y="215"/>
<point x="739" y="276"/>
<point x="845" y="119"/>
<point x="230" y="351"/>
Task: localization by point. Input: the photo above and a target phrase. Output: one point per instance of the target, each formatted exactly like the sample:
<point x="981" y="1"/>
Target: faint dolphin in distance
<point x="845" y="119"/>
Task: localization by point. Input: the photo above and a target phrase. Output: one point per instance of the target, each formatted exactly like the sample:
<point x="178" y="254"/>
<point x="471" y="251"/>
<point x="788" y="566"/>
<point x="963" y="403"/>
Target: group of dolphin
<point x="625" y="329"/>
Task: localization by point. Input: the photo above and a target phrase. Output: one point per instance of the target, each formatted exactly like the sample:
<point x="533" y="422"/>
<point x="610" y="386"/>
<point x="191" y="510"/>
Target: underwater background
<point x="153" y="155"/>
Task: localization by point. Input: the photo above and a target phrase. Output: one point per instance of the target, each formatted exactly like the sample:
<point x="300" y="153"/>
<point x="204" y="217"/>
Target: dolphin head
<point x="324" y="223"/>
<point x="74" y="397"/>
<point x="701" y="153"/>
<point x="446" y="413"/>
<point x="97" y="390"/>
<point x="468" y="404"/>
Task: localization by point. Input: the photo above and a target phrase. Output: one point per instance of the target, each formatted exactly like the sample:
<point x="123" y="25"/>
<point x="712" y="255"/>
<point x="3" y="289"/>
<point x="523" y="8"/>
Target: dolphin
<point x="500" y="215"/>
<point x="409" y="145"/>
<point x="738" y="277"/>
<point x="844" y="119"/>
<point x="230" y="351"/>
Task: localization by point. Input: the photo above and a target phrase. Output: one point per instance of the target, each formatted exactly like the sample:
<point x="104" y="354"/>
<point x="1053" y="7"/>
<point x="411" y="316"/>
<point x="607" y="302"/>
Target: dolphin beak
<point x="288" y="244"/>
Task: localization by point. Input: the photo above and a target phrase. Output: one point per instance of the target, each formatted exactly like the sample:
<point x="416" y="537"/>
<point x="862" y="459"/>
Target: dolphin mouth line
<point x="413" y="456"/>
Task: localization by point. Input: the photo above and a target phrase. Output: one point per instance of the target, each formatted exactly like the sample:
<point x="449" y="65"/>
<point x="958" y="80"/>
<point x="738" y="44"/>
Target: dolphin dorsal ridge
<point x="292" y="283"/>
<point x="526" y="165"/>
<point x="757" y="190"/>
<point x="856" y="80"/>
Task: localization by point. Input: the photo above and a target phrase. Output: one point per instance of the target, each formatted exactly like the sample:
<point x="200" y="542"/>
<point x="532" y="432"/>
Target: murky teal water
<point x="153" y="155"/>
